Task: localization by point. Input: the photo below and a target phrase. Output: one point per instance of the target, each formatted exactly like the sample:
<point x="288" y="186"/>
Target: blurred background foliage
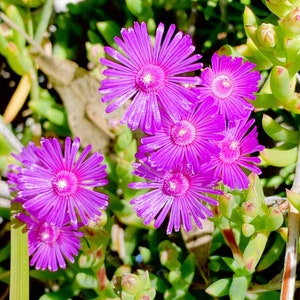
<point x="122" y="258"/>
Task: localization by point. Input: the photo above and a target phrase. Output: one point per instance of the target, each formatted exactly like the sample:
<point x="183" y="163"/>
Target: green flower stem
<point x="19" y="269"/>
<point x="291" y="254"/>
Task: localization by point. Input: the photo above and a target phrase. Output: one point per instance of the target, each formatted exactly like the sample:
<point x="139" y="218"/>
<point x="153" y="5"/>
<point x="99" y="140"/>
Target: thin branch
<point x="291" y="254"/>
<point x="262" y="288"/>
<point x="274" y="200"/>
<point x="28" y="38"/>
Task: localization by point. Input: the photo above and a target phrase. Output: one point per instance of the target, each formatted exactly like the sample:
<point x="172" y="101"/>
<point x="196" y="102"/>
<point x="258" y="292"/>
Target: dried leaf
<point x="78" y="90"/>
<point x="198" y="241"/>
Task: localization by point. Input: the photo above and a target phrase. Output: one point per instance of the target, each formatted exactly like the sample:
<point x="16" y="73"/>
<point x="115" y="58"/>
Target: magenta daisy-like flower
<point x="228" y="83"/>
<point x="50" y="245"/>
<point x="179" y="192"/>
<point x="53" y="186"/>
<point x="190" y="140"/>
<point x="240" y="140"/>
<point x="149" y="75"/>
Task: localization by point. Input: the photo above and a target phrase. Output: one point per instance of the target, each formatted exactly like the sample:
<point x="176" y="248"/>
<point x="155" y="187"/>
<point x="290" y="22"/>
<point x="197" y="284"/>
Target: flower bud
<point x="291" y="23"/>
<point x="266" y="35"/>
<point x="99" y="222"/>
<point x="131" y="283"/>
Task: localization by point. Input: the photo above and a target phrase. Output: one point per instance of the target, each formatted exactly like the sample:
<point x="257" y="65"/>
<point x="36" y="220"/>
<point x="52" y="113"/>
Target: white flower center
<point x="229" y="151"/>
<point x="222" y="86"/>
<point x="48" y="233"/>
<point x="175" y="184"/>
<point x="150" y="78"/>
<point x="65" y="183"/>
<point x="183" y="133"/>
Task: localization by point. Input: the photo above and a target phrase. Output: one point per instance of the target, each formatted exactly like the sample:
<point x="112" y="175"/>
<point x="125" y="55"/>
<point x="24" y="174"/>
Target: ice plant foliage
<point x="190" y="140"/>
<point x="229" y="83"/>
<point x="239" y="142"/>
<point x="179" y="192"/>
<point x="56" y="186"/>
<point x="50" y="245"/>
<point x="150" y="75"/>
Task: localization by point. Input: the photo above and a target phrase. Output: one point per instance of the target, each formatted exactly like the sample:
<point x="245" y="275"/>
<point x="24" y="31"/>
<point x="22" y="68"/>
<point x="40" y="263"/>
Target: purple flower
<point x="188" y="141"/>
<point x="228" y="84"/>
<point x="177" y="191"/>
<point x="49" y="244"/>
<point x="148" y="74"/>
<point x="53" y="186"/>
<point x="239" y="142"/>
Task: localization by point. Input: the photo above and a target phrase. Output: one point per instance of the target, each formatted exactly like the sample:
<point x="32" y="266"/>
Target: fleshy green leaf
<point x="220" y="287"/>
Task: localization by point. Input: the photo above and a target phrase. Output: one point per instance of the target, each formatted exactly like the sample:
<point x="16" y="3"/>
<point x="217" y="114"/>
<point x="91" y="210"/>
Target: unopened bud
<point x="131" y="284"/>
<point x="99" y="221"/>
<point x="266" y="35"/>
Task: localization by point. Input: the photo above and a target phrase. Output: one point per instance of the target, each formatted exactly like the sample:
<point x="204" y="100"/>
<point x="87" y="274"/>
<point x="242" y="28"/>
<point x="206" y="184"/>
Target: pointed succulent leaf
<point x="18" y="60"/>
<point x="294" y="104"/>
<point x="86" y="281"/>
<point x="238" y="288"/>
<point x="294" y="198"/>
<point x="278" y="157"/>
<point x="250" y="18"/>
<point x="272" y="255"/>
<point x="291" y="22"/>
<point x="227" y="204"/>
<point x="140" y="8"/>
<point x="278" y="132"/>
<point x="266" y="100"/>
<point x="219" y="288"/>
<point x="109" y="29"/>
<point x="188" y="268"/>
<point x="274" y="219"/>
<point x="281" y="8"/>
<point x="280" y="84"/>
<point x="255" y="194"/>
<point x="254" y="250"/>
<point x="15" y="16"/>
